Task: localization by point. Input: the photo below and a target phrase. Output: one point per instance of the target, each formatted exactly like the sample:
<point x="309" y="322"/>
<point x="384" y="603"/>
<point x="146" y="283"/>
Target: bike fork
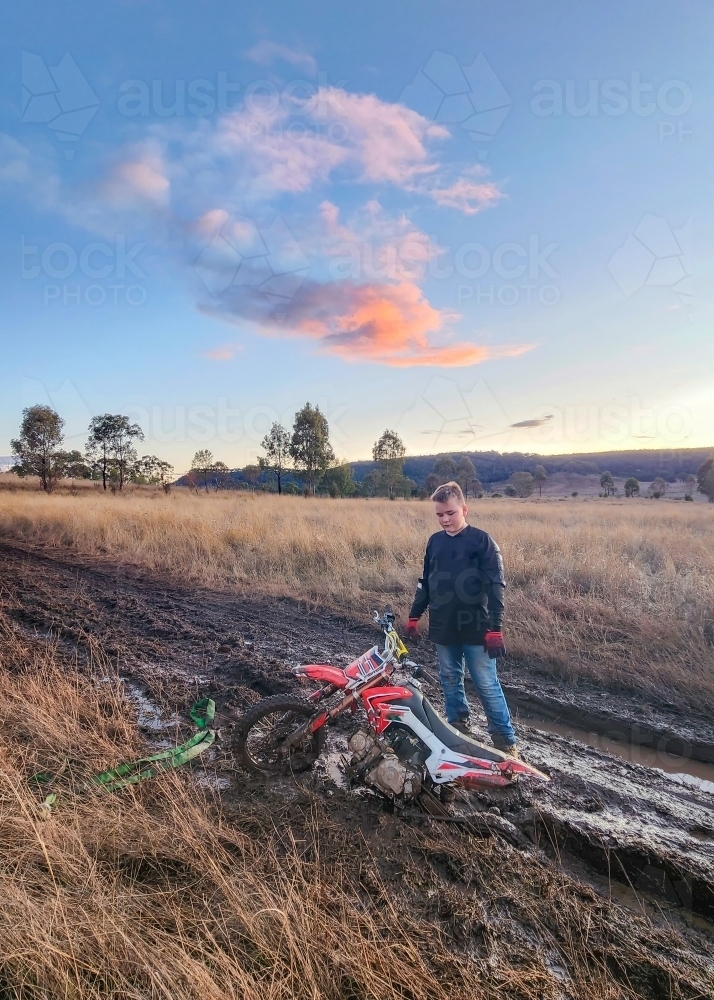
<point x="320" y="720"/>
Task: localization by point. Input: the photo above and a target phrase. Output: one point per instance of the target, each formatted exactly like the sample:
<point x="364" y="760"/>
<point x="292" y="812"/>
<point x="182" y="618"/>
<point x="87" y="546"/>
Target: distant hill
<point x="494" y="467"/>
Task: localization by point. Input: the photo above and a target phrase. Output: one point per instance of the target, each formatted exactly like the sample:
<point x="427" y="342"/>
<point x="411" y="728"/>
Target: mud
<point x="634" y="832"/>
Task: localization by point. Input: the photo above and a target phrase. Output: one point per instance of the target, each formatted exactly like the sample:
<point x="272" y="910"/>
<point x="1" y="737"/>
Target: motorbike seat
<point x="450" y="737"/>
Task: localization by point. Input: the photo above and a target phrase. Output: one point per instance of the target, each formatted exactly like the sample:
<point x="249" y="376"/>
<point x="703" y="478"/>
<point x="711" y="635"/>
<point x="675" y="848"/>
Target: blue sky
<point x="486" y="227"/>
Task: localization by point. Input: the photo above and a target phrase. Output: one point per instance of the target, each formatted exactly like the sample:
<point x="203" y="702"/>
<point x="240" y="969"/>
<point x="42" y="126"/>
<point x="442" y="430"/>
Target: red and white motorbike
<point x="408" y="752"/>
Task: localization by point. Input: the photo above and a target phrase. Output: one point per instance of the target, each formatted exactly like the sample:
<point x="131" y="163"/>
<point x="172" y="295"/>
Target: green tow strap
<point x="202" y="713"/>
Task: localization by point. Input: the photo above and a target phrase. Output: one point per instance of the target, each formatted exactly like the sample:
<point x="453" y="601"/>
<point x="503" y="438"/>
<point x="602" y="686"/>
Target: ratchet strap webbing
<point x="123" y="775"/>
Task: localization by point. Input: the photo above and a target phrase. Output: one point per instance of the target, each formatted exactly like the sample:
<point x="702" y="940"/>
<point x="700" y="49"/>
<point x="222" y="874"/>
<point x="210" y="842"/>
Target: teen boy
<point x="462" y="585"/>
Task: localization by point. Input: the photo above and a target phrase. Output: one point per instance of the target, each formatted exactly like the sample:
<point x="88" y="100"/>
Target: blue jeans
<point x="488" y="687"/>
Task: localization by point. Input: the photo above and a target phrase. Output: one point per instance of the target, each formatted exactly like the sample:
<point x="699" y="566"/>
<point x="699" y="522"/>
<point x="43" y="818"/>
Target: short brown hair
<point x="449" y="491"/>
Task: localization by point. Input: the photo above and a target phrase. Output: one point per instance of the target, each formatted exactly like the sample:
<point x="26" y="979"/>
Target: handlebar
<point x="417" y="670"/>
<point x="387" y="618"/>
<point x="386" y="622"/>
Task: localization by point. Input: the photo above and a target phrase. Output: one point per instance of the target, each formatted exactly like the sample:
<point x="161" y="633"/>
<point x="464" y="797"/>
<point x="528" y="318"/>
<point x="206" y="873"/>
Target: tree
<point x="539" y="478"/>
<point x="310" y="447"/>
<point x="222" y="471"/>
<point x="607" y="482"/>
<point x="110" y="445"/>
<point x="203" y="463"/>
<point x="431" y="483"/>
<point x="72" y="465"/>
<point x="389" y="452"/>
<point x="657" y="488"/>
<point x="251" y="474"/>
<point x="705" y="479"/>
<point x="122" y="445"/>
<point x="99" y="443"/>
<point x="152" y="470"/>
<point x="510" y="490"/>
<point x="339" y="480"/>
<point x="37" y="447"/>
<point x="632" y="487"/>
<point x="277" y="452"/>
<point x="466" y="476"/>
<point x="445" y="469"/>
<point x="522" y="483"/>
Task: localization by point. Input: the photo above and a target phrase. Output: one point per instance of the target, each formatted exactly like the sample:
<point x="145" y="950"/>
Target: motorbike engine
<point x="375" y="762"/>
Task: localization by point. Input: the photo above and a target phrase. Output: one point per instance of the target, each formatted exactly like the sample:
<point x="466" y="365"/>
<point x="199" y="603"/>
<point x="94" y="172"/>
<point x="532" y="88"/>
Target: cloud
<point x="277" y="145"/>
<point x="374" y="245"/>
<point x="289" y="145"/>
<point x="226" y="352"/>
<point x="466" y="195"/>
<point x="143" y="179"/>
<point x="535" y="422"/>
<point x="238" y="163"/>
<point x="388" y="141"/>
<point x="266" y="52"/>
<point x="391" y="324"/>
<point x="187" y="178"/>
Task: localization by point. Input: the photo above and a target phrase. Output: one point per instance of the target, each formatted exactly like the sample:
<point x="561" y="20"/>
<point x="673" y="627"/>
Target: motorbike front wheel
<point x="262" y="731"/>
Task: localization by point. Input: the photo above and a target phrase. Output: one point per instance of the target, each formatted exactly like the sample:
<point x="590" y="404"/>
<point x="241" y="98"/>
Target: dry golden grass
<point x="621" y="591"/>
<point x="155" y="893"/>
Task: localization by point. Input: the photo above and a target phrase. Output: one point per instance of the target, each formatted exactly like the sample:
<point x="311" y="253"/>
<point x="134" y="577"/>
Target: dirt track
<point x="618" y="825"/>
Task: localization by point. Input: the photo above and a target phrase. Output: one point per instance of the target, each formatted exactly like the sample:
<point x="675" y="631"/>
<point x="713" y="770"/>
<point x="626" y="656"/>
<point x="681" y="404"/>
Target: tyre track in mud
<point x="629" y="823"/>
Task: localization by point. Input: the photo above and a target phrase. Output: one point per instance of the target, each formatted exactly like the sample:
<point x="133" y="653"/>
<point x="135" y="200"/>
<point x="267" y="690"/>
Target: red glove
<point x="493" y="644"/>
<point x="412" y="628"/>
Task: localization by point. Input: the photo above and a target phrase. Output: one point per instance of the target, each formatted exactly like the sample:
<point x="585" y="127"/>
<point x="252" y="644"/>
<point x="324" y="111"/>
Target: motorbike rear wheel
<point x="264" y="728"/>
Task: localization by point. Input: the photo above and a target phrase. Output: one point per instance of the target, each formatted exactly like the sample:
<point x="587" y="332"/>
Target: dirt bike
<point x="408" y="753"/>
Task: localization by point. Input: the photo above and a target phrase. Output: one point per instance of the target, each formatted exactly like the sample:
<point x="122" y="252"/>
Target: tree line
<point x="497" y="467"/>
<point x="110" y="455"/>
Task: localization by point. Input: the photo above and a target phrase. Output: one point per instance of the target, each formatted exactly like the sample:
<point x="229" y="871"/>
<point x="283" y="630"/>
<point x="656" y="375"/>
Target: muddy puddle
<point x="682" y="769"/>
<point x="149" y="715"/>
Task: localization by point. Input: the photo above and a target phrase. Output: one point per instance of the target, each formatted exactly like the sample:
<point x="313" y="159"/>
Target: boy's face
<point x="451" y="516"/>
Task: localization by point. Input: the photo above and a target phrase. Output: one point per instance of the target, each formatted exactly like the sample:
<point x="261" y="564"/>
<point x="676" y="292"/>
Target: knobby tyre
<point x="264" y="728"/>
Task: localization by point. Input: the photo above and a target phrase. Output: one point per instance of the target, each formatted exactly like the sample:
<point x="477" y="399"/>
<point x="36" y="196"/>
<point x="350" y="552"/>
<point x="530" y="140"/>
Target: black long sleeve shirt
<point x="462" y="585"/>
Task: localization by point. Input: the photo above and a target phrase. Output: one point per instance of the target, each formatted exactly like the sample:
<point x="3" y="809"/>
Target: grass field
<point x="621" y="591"/>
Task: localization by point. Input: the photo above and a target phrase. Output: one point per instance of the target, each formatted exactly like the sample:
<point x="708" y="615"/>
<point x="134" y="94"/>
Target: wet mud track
<point x="615" y="822"/>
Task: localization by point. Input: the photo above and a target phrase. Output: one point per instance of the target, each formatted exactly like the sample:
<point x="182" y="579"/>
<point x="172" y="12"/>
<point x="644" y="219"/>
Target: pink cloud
<point x="387" y="140"/>
<point x="142" y="179"/>
<point x="226" y="352"/>
<point x="210" y="222"/>
<point x="286" y="145"/>
<point x="466" y="195"/>
<point x="390" y="324"/>
<point x="373" y="245"/>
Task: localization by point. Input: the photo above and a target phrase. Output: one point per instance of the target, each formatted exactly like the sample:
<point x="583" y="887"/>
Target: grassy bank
<point x="620" y="591"/>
